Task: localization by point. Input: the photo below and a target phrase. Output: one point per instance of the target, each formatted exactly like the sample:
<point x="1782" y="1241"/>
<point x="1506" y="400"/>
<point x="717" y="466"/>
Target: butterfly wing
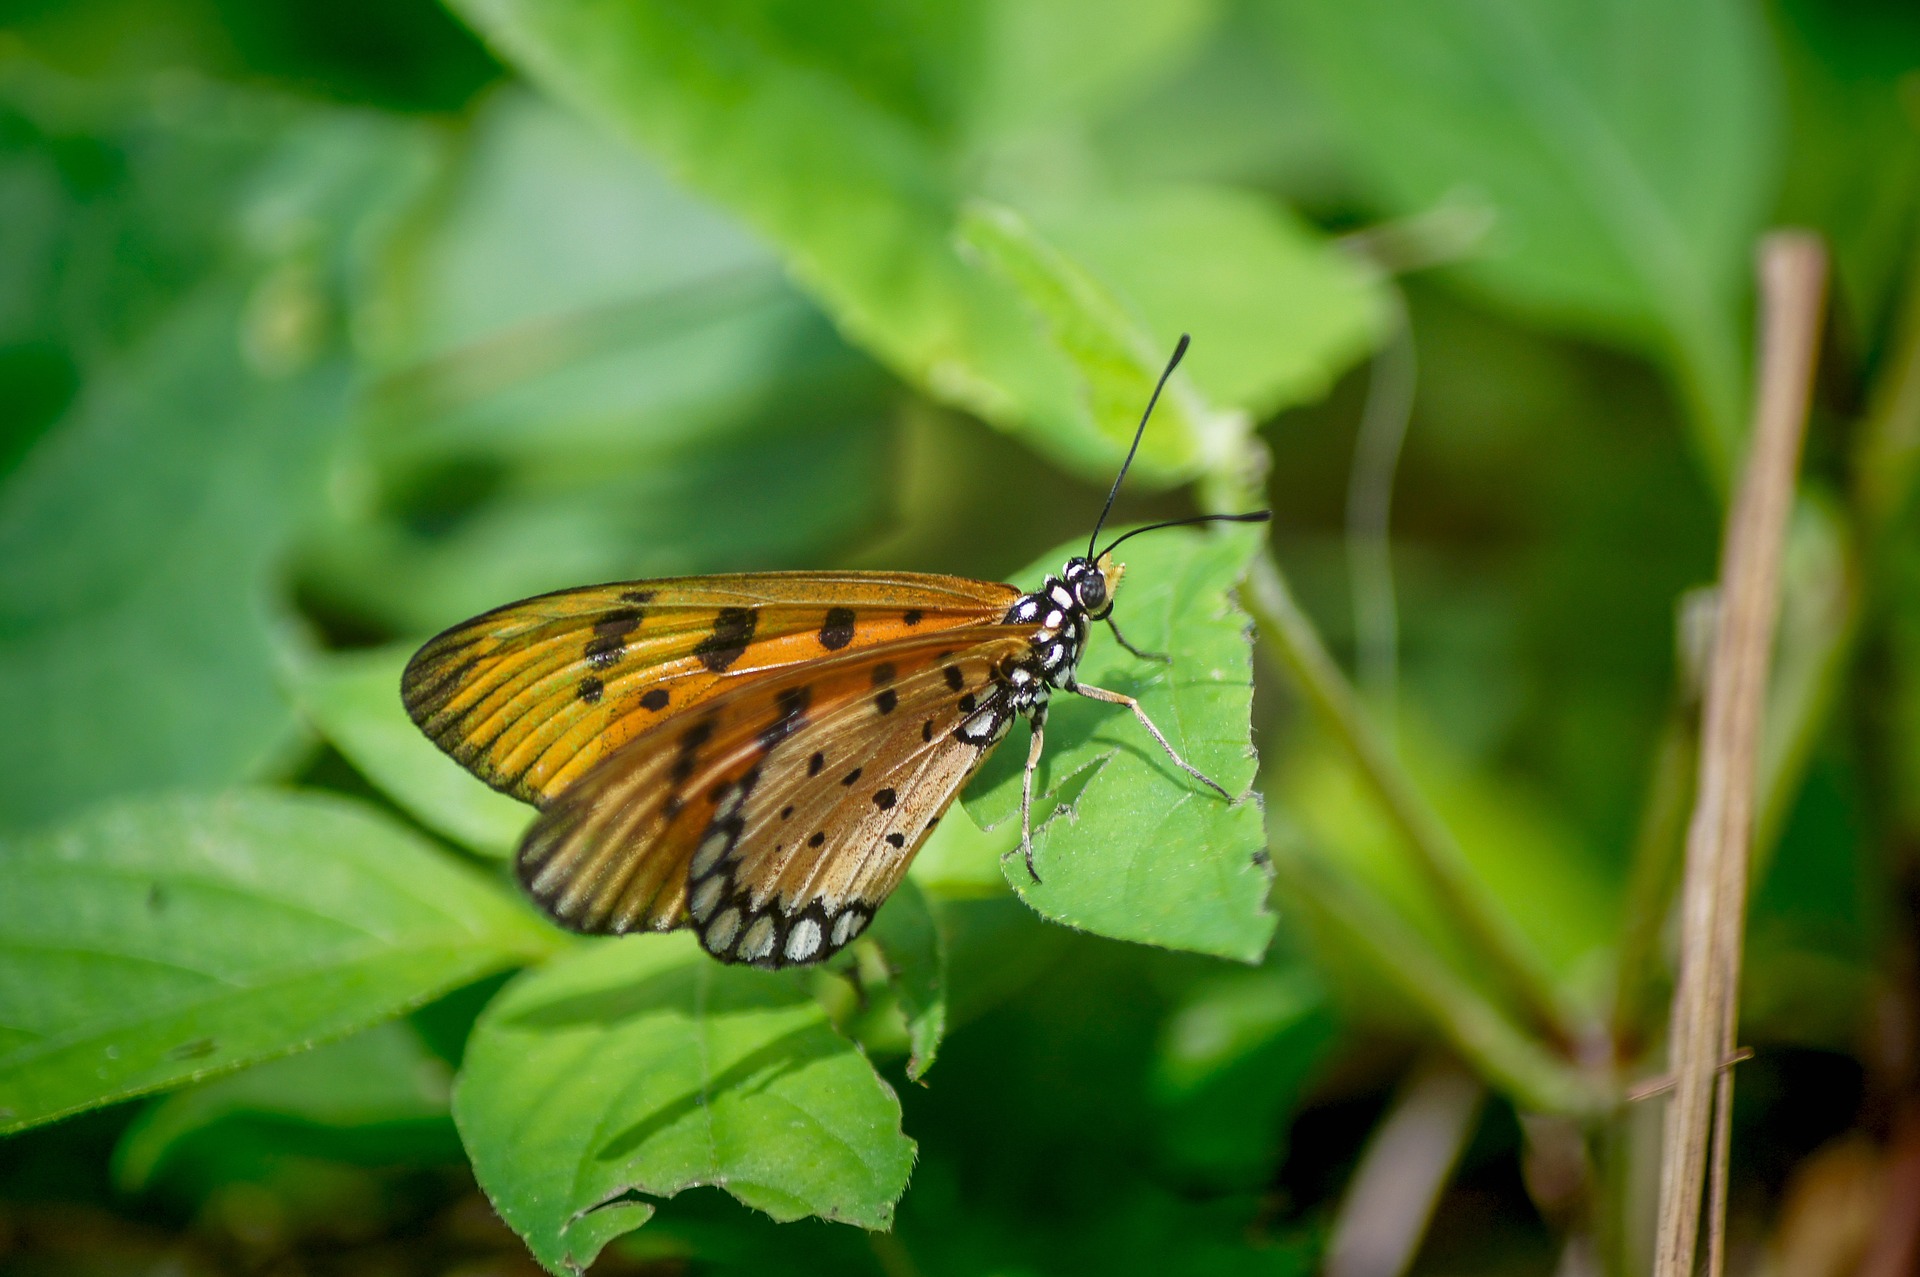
<point x="780" y="814"/>
<point x="530" y="696"/>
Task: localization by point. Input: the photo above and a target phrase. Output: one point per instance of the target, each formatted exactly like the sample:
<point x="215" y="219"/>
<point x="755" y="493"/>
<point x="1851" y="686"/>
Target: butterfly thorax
<point x="1063" y="609"/>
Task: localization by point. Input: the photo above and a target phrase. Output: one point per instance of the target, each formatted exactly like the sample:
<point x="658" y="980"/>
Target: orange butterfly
<point x="758" y="756"/>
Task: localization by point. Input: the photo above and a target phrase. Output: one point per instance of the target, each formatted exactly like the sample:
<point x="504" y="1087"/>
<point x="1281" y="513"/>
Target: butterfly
<point x="760" y="756"/>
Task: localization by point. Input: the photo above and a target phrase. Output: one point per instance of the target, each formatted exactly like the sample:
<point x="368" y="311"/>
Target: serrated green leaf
<point x="1141" y="851"/>
<point x="639" y="1068"/>
<point x="1624" y="152"/>
<point x="852" y="139"/>
<point x="353" y="699"/>
<point x="384" y="1076"/>
<point x="151" y="942"/>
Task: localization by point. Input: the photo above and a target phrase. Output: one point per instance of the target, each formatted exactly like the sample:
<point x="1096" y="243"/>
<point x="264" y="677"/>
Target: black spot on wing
<point x="641" y="597"/>
<point x="886" y="700"/>
<point x="910" y="617"/>
<point x="884" y="799"/>
<point x="815" y="763"/>
<point x="883" y="673"/>
<point x="836" y="631"/>
<point x="955" y="679"/>
<point x="618" y="623"/>
<point x="819" y="837"/>
<point x="896" y="839"/>
<point x="604" y="651"/>
<point x="732" y="631"/>
<point x="850" y="777"/>
<point x="655" y="700"/>
<point x="591" y="689"/>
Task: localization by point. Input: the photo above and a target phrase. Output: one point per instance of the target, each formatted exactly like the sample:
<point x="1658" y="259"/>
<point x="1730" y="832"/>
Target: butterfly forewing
<point x="778" y="814"/>
<point x="531" y="696"/>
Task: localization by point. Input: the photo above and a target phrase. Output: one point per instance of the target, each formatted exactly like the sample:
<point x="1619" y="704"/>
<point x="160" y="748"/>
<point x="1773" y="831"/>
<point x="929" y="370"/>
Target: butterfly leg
<point x="1037" y="723"/>
<point x="1121" y="639"/>
<point x="1120" y="698"/>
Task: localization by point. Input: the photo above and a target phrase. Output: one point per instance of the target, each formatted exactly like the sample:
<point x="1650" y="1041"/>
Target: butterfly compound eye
<point x="1091" y="590"/>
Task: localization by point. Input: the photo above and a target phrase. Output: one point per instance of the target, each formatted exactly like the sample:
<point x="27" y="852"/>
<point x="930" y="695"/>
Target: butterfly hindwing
<point x="529" y="697"/>
<point x="777" y="815"/>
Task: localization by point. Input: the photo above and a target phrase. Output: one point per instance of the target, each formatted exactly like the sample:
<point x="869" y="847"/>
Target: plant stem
<point x="1793" y="279"/>
<point x="1431" y="845"/>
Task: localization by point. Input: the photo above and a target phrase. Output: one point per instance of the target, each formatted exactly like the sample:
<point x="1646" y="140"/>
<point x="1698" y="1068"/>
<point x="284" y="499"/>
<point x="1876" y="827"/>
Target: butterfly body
<point x="759" y="756"/>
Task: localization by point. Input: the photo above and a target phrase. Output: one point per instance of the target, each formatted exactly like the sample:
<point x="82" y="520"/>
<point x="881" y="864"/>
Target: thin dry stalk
<point x="1403" y="1171"/>
<point x="1713" y="900"/>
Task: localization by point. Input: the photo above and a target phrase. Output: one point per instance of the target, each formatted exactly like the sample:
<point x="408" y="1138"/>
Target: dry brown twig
<point x="1792" y="273"/>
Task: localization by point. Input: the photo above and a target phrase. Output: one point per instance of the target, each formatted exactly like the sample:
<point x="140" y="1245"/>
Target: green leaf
<point x="1114" y="362"/>
<point x="913" y="944"/>
<point x="156" y="941"/>
<point x="384" y="1076"/>
<point x="138" y="534"/>
<point x="584" y="364"/>
<point x="1126" y="844"/>
<point x="643" y="513"/>
<point x="1625" y="152"/>
<point x="353" y="699"/>
<point x="961" y="861"/>
<point x="852" y="140"/>
<point x="639" y="1068"/>
<point x="1274" y="311"/>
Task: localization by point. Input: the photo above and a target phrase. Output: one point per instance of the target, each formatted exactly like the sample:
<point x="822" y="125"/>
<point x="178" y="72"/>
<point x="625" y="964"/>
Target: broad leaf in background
<point x="851" y="139"/>
<point x="353" y="700"/>
<point x="637" y="1068"/>
<point x="159" y="940"/>
<point x="637" y="393"/>
<point x="1127" y="845"/>
<point x="138" y="532"/>
<point x="1626" y="150"/>
<point x="380" y="1078"/>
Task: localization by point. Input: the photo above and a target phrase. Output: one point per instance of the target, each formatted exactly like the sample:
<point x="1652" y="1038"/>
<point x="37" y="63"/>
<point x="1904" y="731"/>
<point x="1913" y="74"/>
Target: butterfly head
<point x="1093" y="583"/>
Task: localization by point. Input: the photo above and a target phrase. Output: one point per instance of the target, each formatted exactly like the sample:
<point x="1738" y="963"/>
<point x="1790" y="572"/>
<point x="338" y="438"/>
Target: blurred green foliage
<point x="323" y="327"/>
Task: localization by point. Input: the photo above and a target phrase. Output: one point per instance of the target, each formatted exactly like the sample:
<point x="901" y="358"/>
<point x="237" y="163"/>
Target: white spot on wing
<point x="804" y="941"/>
<point x="706" y="896"/>
<point x="721" y="930"/>
<point x="758" y="942"/>
<point x="709" y="853"/>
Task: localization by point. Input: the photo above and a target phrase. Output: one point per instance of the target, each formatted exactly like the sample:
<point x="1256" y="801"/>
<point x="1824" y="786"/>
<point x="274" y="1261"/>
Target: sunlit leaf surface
<point x="635" y="1069"/>
<point x="163" y="939"/>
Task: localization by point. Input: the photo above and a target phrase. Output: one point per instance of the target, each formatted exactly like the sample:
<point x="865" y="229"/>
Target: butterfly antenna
<point x="1258" y="516"/>
<point x="1113" y="492"/>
